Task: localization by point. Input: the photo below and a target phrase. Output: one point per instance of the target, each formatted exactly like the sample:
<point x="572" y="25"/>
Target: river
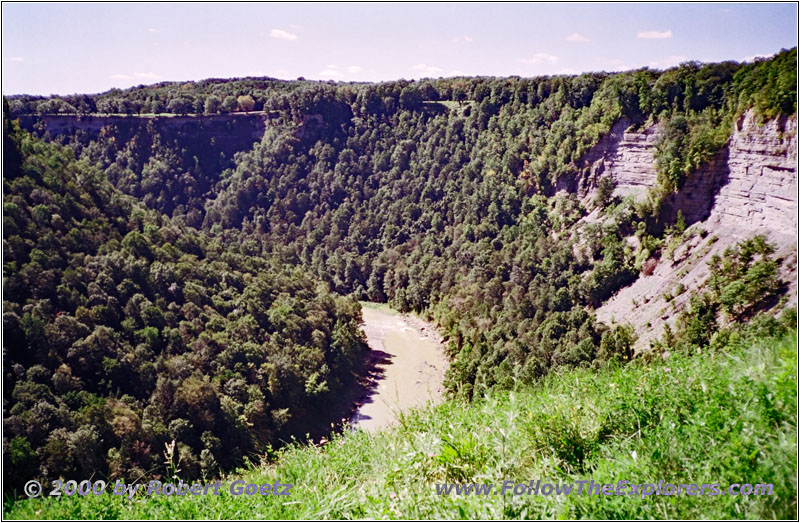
<point x="408" y="366"/>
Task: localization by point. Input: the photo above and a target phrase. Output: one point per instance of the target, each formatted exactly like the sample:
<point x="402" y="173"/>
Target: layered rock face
<point x="750" y="187"/>
<point x="758" y="183"/>
<point x="750" y="183"/>
<point x="624" y="155"/>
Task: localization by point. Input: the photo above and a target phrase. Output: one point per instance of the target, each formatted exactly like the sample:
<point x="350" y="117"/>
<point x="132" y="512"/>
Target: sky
<point x="67" y="48"/>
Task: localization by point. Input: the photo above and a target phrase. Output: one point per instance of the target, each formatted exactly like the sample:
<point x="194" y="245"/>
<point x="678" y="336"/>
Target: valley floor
<point x="409" y="366"/>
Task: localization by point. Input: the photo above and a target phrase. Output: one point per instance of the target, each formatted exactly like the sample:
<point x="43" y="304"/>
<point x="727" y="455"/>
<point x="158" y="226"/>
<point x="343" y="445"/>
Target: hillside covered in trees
<point x="124" y="331"/>
<point x="220" y="310"/>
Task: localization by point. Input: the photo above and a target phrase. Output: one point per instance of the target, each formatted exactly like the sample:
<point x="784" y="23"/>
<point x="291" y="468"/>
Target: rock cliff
<point x="750" y="187"/>
<point x="227" y="134"/>
<point x="751" y="183"/>
<point x="758" y="182"/>
<point x="626" y="156"/>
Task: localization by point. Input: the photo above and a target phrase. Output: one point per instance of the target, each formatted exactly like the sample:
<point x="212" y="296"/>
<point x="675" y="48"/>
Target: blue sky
<point x="69" y="48"/>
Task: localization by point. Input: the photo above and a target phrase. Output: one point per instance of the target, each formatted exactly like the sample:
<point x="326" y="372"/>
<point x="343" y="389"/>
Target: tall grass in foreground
<point x="719" y="417"/>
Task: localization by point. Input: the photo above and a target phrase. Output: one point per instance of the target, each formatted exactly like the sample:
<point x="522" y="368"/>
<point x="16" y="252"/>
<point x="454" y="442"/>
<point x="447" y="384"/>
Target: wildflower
<point x="666" y="369"/>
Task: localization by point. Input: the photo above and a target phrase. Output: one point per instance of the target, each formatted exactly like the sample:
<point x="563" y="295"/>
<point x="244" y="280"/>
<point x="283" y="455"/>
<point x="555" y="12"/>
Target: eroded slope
<point x="749" y="188"/>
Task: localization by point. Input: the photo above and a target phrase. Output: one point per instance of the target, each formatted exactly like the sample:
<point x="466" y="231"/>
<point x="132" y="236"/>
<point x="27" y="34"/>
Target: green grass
<point x="719" y="417"/>
<point x="378" y="306"/>
<point x="451" y="104"/>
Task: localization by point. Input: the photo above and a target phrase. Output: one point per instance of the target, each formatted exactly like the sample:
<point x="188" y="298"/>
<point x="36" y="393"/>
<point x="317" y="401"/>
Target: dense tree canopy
<point x="123" y="332"/>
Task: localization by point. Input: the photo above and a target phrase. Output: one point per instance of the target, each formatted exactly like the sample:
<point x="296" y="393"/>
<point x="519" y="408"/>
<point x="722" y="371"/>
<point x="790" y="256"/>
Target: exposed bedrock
<point x="749" y="187"/>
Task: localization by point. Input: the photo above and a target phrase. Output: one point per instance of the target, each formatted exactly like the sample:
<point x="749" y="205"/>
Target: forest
<point x="157" y="292"/>
<point x="124" y="331"/>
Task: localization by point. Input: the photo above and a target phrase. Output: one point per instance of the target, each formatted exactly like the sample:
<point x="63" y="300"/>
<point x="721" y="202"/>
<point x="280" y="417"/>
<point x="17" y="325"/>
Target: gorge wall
<point x="749" y="187"/>
<point x="758" y="182"/>
<point x="624" y="155"/>
<point x="228" y="133"/>
<point x="751" y="183"/>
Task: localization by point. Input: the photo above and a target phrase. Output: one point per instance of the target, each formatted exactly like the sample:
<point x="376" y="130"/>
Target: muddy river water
<point x="409" y="366"/>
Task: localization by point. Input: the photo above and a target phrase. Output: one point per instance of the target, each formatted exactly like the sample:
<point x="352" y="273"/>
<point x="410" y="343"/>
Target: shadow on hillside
<point x="699" y="192"/>
<point x="342" y="414"/>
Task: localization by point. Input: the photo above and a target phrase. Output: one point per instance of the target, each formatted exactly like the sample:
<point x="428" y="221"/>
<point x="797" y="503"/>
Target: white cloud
<point x="136" y="76"/>
<point x="456" y="72"/>
<point x="577" y="38"/>
<point x="539" y="58"/>
<point x="567" y="70"/>
<point x="668" y="61"/>
<point x="654" y="35"/>
<point x="147" y="76"/>
<point x="462" y="40"/>
<point x="614" y="64"/>
<point x="335" y="71"/>
<point x="153" y="30"/>
<point x="282" y="35"/>
<point x="16" y="59"/>
<point x="427" y="70"/>
<point x="330" y="73"/>
<point x="752" y="58"/>
<point x="280" y="73"/>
